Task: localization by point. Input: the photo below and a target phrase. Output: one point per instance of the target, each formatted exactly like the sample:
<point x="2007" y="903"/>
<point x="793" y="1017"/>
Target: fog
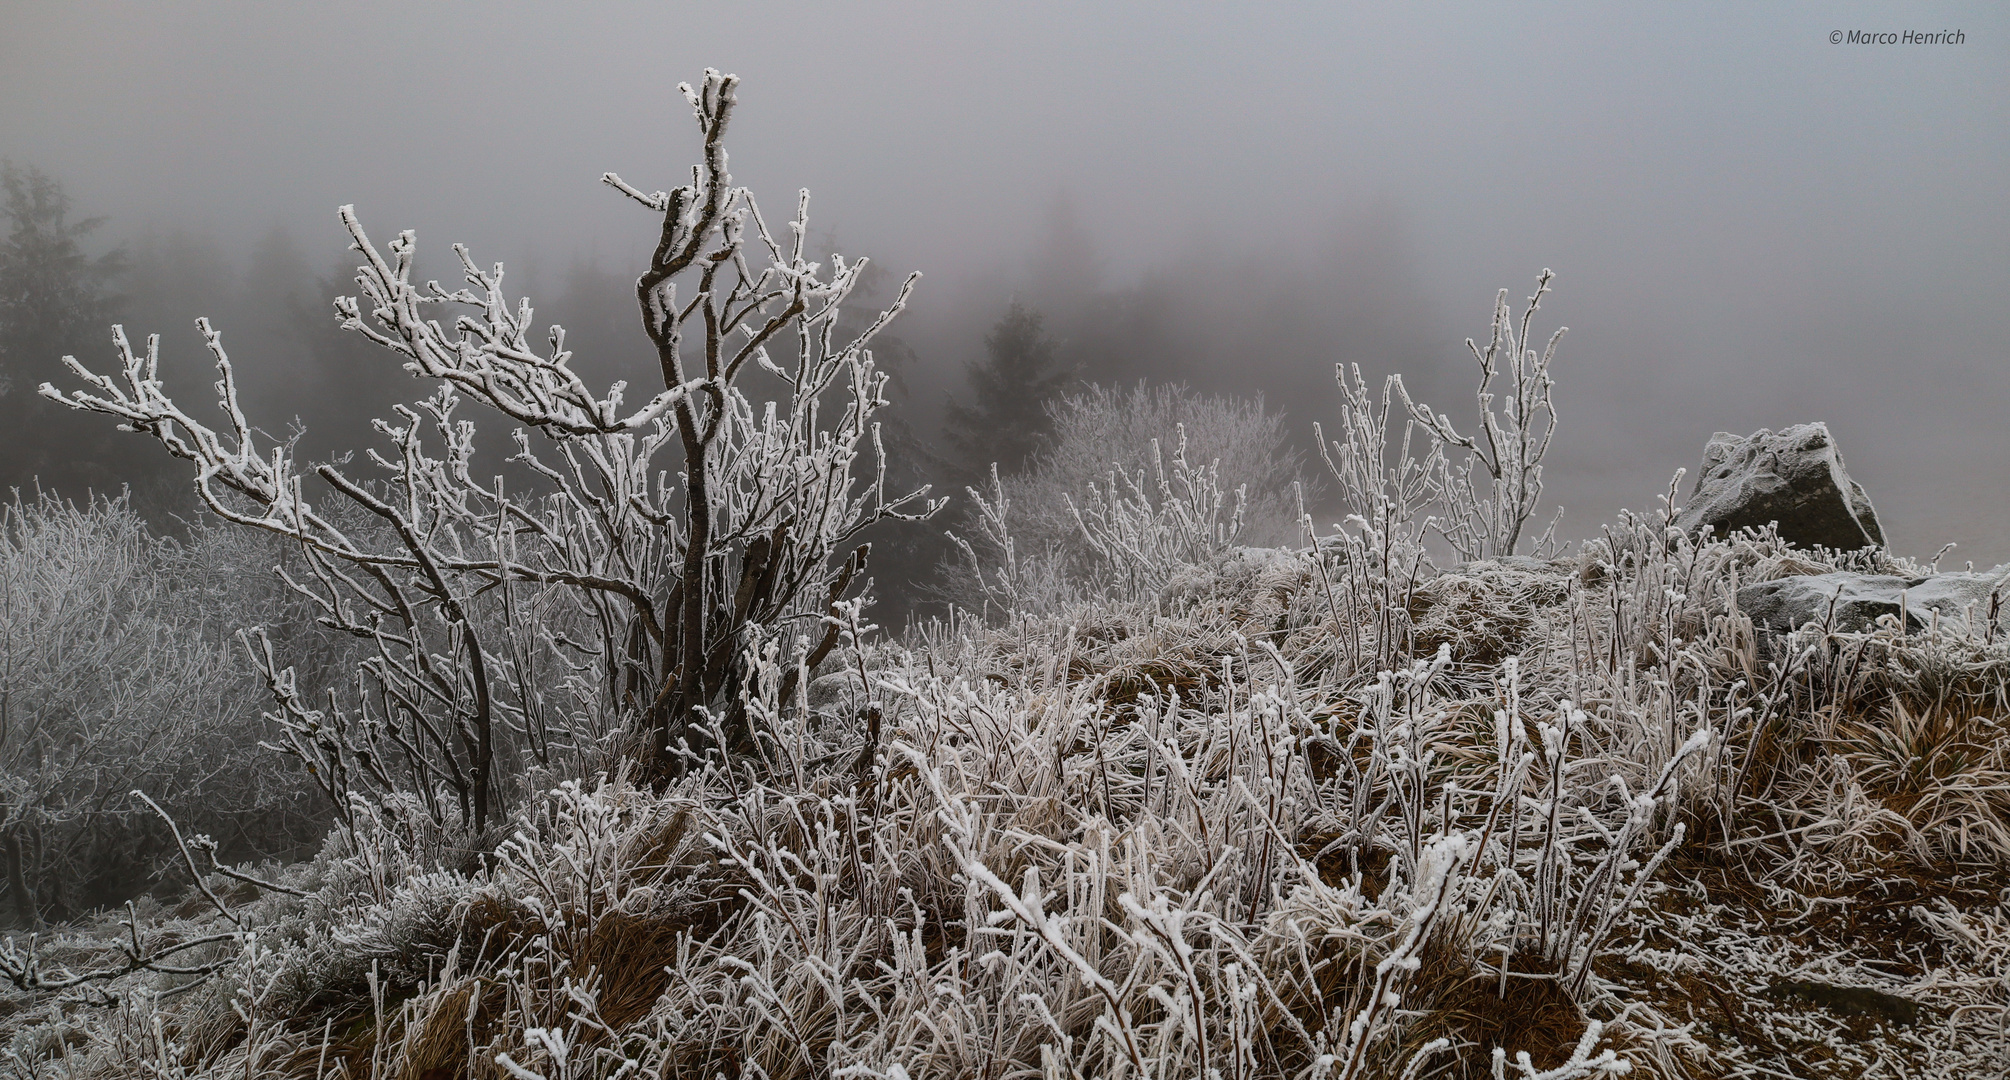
<point x="1751" y="226"/>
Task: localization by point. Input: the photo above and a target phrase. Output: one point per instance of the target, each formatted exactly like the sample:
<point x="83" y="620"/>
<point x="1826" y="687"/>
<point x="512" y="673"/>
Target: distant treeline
<point x="972" y="395"/>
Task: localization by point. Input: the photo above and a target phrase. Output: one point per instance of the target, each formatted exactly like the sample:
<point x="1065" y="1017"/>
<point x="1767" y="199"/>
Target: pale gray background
<point x="1751" y="226"/>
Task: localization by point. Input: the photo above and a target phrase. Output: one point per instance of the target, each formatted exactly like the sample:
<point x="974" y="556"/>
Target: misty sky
<point x="1750" y="226"/>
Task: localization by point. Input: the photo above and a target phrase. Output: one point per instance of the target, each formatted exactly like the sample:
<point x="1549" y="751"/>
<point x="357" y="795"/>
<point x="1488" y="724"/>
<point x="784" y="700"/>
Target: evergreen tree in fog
<point x="1006" y="417"/>
<point x="54" y="300"/>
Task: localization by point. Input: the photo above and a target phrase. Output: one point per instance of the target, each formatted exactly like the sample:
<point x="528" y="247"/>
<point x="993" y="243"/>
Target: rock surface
<point x="1794" y="477"/>
<point x="1783" y="604"/>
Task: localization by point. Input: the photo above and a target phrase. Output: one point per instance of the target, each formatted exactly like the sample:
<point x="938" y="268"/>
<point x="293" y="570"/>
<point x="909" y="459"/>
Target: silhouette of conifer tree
<point x="1006" y="417"/>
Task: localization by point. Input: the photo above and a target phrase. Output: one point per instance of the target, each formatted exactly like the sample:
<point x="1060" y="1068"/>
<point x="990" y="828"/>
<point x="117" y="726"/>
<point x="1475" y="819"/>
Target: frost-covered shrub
<point x="1103" y="429"/>
<point x="117" y="672"/>
<point x="605" y="608"/>
<point x="1487" y="499"/>
<point x="1134" y="486"/>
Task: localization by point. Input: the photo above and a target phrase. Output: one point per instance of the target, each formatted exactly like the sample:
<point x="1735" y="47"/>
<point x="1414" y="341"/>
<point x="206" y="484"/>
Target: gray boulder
<point x="1794" y="477"/>
<point x="1786" y="603"/>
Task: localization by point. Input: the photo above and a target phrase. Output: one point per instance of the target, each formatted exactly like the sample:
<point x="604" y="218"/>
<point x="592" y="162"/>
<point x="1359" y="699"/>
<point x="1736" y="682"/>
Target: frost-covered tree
<point x="615" y="599"/>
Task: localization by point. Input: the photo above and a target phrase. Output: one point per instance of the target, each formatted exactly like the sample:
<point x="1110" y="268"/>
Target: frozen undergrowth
<point x="1193" y="811"/>
<point x="1188" y="832"/>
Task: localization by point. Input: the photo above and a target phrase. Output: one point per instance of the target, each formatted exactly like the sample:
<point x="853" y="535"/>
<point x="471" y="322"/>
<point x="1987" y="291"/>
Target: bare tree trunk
<point x="27" y="912"/>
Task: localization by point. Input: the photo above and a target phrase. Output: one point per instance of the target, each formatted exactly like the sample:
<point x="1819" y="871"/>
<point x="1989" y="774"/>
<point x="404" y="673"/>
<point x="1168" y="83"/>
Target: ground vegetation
<point x="1392" y="799"/>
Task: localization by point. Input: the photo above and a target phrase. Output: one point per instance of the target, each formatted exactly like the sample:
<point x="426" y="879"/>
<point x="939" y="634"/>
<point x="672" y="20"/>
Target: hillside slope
<point x="1268" y="817"/>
